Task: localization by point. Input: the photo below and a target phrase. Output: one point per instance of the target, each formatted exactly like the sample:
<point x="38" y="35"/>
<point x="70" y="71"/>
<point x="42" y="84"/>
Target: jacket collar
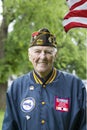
<point x="49" y="78"/>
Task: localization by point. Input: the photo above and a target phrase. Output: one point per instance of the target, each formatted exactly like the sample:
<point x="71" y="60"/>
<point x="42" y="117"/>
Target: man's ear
<point x="29" y="56"/>
<point x="56" y="55"/>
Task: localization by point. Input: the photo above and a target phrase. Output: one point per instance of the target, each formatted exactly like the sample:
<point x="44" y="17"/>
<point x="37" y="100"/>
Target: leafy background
<point x="29" y="16"/>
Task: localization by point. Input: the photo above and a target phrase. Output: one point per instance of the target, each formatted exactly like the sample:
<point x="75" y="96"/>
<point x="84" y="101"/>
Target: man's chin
<point x="43" y="70"/>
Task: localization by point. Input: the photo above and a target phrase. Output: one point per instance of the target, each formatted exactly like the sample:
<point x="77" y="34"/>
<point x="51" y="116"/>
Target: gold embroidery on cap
<point x="39" y="42"/>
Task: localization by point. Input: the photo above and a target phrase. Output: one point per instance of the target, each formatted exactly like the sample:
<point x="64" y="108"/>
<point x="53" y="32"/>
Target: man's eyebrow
<point x="37" y="49"/>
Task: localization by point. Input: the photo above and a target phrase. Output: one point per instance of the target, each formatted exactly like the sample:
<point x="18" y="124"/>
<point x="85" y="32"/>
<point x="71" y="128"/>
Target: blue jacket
<point x="58" y="104"/>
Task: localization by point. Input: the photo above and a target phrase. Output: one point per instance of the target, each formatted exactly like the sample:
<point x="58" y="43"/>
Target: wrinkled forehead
<point x="44" y="48"/>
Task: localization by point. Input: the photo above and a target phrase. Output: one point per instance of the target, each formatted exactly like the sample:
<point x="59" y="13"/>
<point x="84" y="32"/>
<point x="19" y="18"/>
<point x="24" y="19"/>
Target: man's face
<point x="42" y="58"/>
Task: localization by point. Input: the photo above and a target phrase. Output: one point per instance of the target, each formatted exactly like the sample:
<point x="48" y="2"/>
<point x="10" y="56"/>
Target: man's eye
<point x="37" y="51"/>
<point x="48" y="52"/>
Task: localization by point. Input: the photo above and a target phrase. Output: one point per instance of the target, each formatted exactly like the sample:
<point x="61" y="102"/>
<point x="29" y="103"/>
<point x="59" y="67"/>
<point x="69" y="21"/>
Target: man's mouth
<point x="42" y="62"/>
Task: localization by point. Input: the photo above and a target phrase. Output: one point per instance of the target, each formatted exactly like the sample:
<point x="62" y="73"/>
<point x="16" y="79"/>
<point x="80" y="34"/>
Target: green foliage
<point x="30" y="16"/>
<point x="72" y="56"/>
<point x="1" y="118"/>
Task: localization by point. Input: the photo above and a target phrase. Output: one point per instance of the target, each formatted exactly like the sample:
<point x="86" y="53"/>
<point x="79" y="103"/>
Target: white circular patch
<point x="28" y="104"/>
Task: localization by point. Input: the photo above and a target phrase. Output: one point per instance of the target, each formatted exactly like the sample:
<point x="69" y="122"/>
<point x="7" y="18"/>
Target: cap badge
<point x="51" y="39"/>
<point x="39" y="41"/>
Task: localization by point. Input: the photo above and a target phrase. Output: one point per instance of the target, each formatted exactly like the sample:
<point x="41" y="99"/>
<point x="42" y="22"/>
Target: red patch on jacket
<point x="62" y="104"/>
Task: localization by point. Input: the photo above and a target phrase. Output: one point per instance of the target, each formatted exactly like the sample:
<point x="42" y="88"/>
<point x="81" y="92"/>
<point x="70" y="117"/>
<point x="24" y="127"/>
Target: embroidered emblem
<point x="52" y="39"/>
<point x="39" y="42"/>
<point x="62" y="104"/>
<point x="28" y="104"/>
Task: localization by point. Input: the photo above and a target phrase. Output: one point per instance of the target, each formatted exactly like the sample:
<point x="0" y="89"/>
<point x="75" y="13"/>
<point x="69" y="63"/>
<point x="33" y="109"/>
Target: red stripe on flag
<point x="73" y="25"/>
<point x="76" y="13"/>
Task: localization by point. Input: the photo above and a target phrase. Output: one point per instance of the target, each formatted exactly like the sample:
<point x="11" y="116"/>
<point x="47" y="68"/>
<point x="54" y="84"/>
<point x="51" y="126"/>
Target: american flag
<point x="77" y="15"/>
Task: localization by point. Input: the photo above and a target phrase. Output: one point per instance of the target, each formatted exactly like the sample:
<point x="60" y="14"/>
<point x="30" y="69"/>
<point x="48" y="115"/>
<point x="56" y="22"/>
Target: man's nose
<point x="42" y="55"/>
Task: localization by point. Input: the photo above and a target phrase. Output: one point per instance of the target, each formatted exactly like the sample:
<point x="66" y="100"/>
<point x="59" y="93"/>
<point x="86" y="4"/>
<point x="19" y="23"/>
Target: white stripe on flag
<point x="72" y="2"/>
<point x="75" y="19"/>
<point x="81" y="7"/>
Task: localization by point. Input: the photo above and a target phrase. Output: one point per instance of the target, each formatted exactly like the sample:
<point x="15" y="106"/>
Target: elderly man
<point x="45" y="98"/>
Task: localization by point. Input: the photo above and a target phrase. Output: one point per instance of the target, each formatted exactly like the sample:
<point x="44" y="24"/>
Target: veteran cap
<point x="43" y="37"/>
